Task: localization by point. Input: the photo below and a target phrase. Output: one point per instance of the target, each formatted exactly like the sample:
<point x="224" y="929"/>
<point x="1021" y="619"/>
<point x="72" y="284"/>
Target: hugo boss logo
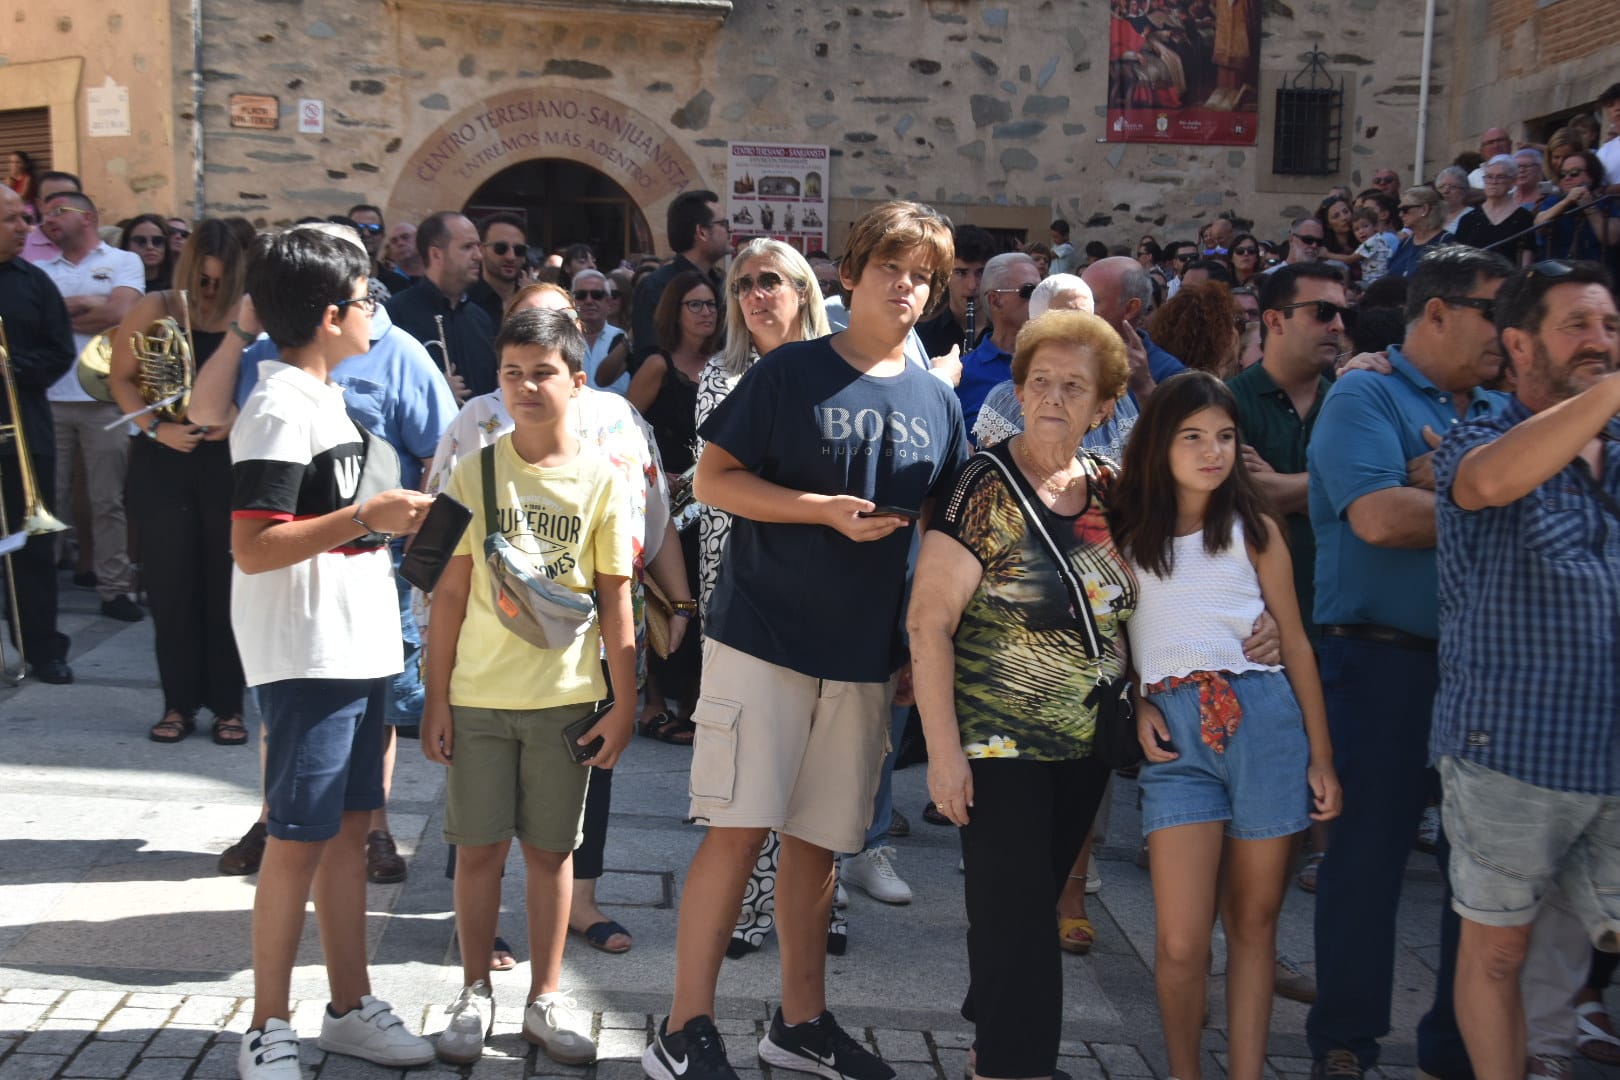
<point x="869" y="431"/>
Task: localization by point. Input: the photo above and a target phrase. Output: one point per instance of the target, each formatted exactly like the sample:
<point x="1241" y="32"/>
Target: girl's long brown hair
<point x="1142" y="516"/>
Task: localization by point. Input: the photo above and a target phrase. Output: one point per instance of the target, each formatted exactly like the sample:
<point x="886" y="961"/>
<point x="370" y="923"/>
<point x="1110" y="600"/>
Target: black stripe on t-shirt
<point x="262" y="484"/>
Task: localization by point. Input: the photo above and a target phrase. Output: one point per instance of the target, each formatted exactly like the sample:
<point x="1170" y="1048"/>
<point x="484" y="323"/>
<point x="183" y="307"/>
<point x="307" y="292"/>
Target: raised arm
<point x="1529" y="454"/>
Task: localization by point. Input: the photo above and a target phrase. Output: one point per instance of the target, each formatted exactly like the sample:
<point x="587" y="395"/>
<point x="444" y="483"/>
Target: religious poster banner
<point x="777" y="190"/>
<point x="1184" y="71"/>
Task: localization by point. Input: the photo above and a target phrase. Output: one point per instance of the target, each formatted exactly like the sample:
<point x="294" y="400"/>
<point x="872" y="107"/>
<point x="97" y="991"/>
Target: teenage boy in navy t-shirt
<point x="824" y="455"/>
<point x="316" y="619"/>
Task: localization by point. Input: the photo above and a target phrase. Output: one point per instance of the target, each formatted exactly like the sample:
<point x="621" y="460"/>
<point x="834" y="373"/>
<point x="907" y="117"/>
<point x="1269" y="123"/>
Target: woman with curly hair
<point x="1202" y="326"/>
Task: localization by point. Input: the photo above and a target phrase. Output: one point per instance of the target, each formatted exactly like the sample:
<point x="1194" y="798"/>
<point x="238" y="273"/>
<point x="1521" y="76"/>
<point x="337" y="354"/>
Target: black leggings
<point x="1028" y="823"/>
<point x="181" y="505"/>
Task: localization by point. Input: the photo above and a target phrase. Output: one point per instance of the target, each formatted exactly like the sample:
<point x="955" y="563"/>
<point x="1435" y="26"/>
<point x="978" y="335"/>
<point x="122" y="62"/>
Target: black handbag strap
<point x="486" y="466"/>
<point x="1609" y="502"/>
<point x="1079" y="607"/>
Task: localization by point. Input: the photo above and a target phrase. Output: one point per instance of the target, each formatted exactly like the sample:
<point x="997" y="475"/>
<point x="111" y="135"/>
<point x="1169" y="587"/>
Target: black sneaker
<point x="820" y="1046"/>
<point x="123" y="609"/>
<point x="696" y="1052"/>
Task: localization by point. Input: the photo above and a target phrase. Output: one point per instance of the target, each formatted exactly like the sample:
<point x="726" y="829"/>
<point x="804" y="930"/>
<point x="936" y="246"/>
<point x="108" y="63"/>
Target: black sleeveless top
<point x="673" y="416"/>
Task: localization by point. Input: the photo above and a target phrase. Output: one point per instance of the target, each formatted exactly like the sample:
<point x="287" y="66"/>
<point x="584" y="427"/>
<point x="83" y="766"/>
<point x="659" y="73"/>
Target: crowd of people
<point x="1251" y="520"/>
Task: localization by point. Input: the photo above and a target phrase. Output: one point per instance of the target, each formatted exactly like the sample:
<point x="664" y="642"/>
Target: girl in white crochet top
<point x="1238" y="754"/>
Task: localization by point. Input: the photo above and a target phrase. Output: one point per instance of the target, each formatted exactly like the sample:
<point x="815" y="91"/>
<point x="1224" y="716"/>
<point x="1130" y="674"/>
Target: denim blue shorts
<point x="1512" y="841"/>
<point x="1257" y="786"/>
<point x="323" y="753"/>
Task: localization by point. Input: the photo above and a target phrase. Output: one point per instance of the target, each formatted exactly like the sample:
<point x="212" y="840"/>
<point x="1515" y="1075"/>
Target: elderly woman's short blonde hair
<point x="1082" y="330"/>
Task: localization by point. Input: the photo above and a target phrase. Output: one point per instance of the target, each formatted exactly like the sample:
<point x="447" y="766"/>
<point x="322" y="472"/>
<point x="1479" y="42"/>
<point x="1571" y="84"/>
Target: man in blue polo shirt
<point x="1008" y="283"/>
<point x="1372" y="508"/>
<point x="1528" y="713"/>
<point x="398" y="393"/>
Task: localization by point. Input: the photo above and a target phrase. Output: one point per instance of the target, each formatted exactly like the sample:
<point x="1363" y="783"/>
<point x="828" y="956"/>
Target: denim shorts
<point x="1257" y="786"/>
<point x="1512" y="841"/>
<point x="323" y="753"/>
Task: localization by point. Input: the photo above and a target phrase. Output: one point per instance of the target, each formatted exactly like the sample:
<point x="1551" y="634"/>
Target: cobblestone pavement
<point x="124" y="954"/>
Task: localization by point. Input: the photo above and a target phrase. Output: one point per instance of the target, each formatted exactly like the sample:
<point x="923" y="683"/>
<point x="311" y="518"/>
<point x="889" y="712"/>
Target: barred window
<point x="1309" y="122"/>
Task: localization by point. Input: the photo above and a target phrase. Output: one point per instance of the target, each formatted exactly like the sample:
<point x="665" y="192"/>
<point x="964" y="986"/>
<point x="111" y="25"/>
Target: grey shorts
<point x="1512" y="841"/>
<point x="780" y="750"/>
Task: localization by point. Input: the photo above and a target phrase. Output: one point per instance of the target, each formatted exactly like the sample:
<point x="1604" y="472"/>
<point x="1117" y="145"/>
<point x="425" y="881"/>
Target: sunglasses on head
<point x="501" y="247"/>
<point x="591" y="294"/>
<point x="1024" y="291"/>
<point x="1486" y="306"/>
<point x="767" y="282"/>
<point x="148" y="241"/>
<point x="1323" y="311"/>
<point x="366" y="227"/>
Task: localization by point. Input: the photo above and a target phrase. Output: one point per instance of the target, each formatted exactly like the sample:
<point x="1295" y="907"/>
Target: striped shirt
<point x="1530" y="623"/>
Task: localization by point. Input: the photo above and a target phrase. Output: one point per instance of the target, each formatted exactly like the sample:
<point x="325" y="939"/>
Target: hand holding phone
<point x="889" y="511"/>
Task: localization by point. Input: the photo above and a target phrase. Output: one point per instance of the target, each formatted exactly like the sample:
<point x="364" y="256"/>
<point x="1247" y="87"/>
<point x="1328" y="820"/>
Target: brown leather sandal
<point x="174" y="726"/>
<point x="230" y="731"/>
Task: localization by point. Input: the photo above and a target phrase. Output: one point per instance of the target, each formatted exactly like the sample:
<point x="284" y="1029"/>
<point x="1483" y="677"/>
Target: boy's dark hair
<point x="295" y="275"/>
<point x="667" y="317"/>
<point x="1374" y="329"/>
<point x="360" y="208"/>
<point x="57" y="176"/>
<point x="1281" y="286"/>
<point x="1060" y="227"/>
<point x="1610" y="96"/>
<point x="1366" y="213"/>
<point x="505" y="217"/>
<point x="972" y="244"/>
<point x="1143" y="515"/>
<point x="689" y="211"/>
<point x="1388" y="291"/>
<point x="1452" y="270"/>
<point x="1521" y="302"/>
<point x="1218" y="270"/>
<point x="434" y="232"/>
<point x="1096" y="249"/>
<point x="547" y="328"/>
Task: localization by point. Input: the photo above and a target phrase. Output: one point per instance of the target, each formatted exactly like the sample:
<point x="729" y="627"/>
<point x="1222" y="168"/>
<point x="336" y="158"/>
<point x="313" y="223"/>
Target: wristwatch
<point x="151" y="429"/>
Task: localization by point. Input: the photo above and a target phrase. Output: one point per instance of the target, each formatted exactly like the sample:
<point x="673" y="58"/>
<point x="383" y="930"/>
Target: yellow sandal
<point x="1081" y="945"/>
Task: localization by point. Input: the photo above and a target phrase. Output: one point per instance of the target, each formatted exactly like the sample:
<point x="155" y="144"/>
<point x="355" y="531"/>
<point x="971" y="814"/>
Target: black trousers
<point x="181" y="505"/>
<point x="1028" y="823"/>
<point x="679" y="674"/>
<point x="33" y="568"/>
<point x="598" y="801"/>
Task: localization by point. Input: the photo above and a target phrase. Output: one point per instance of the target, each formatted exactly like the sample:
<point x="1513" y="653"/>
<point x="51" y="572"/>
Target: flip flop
<point x="599" y="934"/>
<point x="1592" y="1041"/>
<point x="501" y="958"/>
<point x="1078" y="946"/>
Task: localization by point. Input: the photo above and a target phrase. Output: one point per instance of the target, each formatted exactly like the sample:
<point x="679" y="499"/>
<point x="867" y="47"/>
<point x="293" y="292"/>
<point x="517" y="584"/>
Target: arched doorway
<point x="565" y="203"/>
<point x="548" y="125"/>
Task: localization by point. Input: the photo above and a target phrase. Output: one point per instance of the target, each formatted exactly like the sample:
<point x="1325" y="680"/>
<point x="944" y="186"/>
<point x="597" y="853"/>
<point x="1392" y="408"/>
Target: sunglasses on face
<point x="1384" y="181"/>
<point x="501" y="247"/>
<point x="591" y="294"/>
<point x="1408" y="209"/>
<point x="1486" y="306"/>
<point x="206" y="282"/>
<point x="364" y="303"/>
<point x="58" y="211"/>
<point x="1567" y="174"/>
<point x="1246" y="251"/>
<point x="1308" y="241"/>
<point x="767" y="282"/>
<point x="1024" y="291"/>
<point x="698" y="307"/>
<point x="829" y="286"/>
<point x="1323" y="311"/>
<point x="368" y="229"/>
<point x="179" y="234"/>
<point x="148" y="241"/>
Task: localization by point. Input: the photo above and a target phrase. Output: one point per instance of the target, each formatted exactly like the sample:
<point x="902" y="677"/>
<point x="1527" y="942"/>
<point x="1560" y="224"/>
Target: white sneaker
<point x="271" y="1054"/>
<point x="1093" y="878"/>
<point x="840" y="894"/>
<point x="462" y="1040"/>
<point x="553" y="1023"/>
<point x="372" y="1032"/>
<point x="873" y="874"/>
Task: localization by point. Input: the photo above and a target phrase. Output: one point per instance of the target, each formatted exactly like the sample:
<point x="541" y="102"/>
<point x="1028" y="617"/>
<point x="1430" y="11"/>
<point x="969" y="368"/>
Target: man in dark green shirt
<point x="1278" y="400"/>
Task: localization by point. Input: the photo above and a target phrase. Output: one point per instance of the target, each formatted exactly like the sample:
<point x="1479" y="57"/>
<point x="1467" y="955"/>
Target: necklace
<point x="1056" y="490"/>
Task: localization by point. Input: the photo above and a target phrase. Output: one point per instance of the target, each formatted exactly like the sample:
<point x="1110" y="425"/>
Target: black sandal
<point x="174" y="726"/>
<point x="230" y="731"/>
<point x="666" y="727"/>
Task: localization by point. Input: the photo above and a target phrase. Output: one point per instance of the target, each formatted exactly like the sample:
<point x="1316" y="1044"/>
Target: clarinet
<point x="967" y="336"/>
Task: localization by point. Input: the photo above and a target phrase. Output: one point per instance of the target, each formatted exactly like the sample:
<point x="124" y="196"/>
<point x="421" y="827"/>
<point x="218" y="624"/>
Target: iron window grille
<point x="1309" y="121"/>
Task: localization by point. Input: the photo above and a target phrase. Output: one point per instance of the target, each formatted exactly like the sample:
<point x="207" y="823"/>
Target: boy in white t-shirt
<point x="1375" y="246"/>
<point x="316" y="619"/>
<point x="497" y="705"/>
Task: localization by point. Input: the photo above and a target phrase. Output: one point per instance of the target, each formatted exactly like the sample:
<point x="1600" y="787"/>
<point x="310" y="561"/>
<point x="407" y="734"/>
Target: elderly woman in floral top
<point x="1007" y="676"/>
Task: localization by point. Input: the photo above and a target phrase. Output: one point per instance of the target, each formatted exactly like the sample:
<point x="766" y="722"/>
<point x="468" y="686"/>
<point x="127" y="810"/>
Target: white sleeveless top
<point x="1198" y="618"/>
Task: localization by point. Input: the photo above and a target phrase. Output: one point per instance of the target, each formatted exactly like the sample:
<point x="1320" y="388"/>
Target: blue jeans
<point x="1379" y="703"/>
<point x="883" y="802"/>
<point x="406" y="695"/>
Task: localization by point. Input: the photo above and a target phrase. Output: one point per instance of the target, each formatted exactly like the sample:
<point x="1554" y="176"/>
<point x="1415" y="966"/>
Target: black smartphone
<point x="572" y="733"/>
<point x="435" y="542"/>
<point x="889" y="511"/>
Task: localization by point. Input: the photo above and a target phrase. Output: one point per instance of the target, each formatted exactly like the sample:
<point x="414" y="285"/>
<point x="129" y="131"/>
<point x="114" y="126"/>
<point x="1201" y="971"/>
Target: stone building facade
<point x="992" y="110"/>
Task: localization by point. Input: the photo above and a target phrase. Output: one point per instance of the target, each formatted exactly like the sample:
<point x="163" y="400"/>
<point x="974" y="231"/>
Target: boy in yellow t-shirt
<point x="496" y="705"/>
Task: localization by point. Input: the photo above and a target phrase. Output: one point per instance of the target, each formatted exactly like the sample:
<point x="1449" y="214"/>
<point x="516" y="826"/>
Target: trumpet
<point x="443" y="343"/>
<point x="37" y="521"/>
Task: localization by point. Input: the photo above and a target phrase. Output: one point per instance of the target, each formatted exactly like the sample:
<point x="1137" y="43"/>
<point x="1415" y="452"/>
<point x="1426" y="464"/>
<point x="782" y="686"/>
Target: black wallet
<point x="572" y="733"/>
<point x="435" y="542"/>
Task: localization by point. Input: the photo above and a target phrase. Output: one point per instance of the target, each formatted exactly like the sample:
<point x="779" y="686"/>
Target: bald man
<point x="1121" y="290"/>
